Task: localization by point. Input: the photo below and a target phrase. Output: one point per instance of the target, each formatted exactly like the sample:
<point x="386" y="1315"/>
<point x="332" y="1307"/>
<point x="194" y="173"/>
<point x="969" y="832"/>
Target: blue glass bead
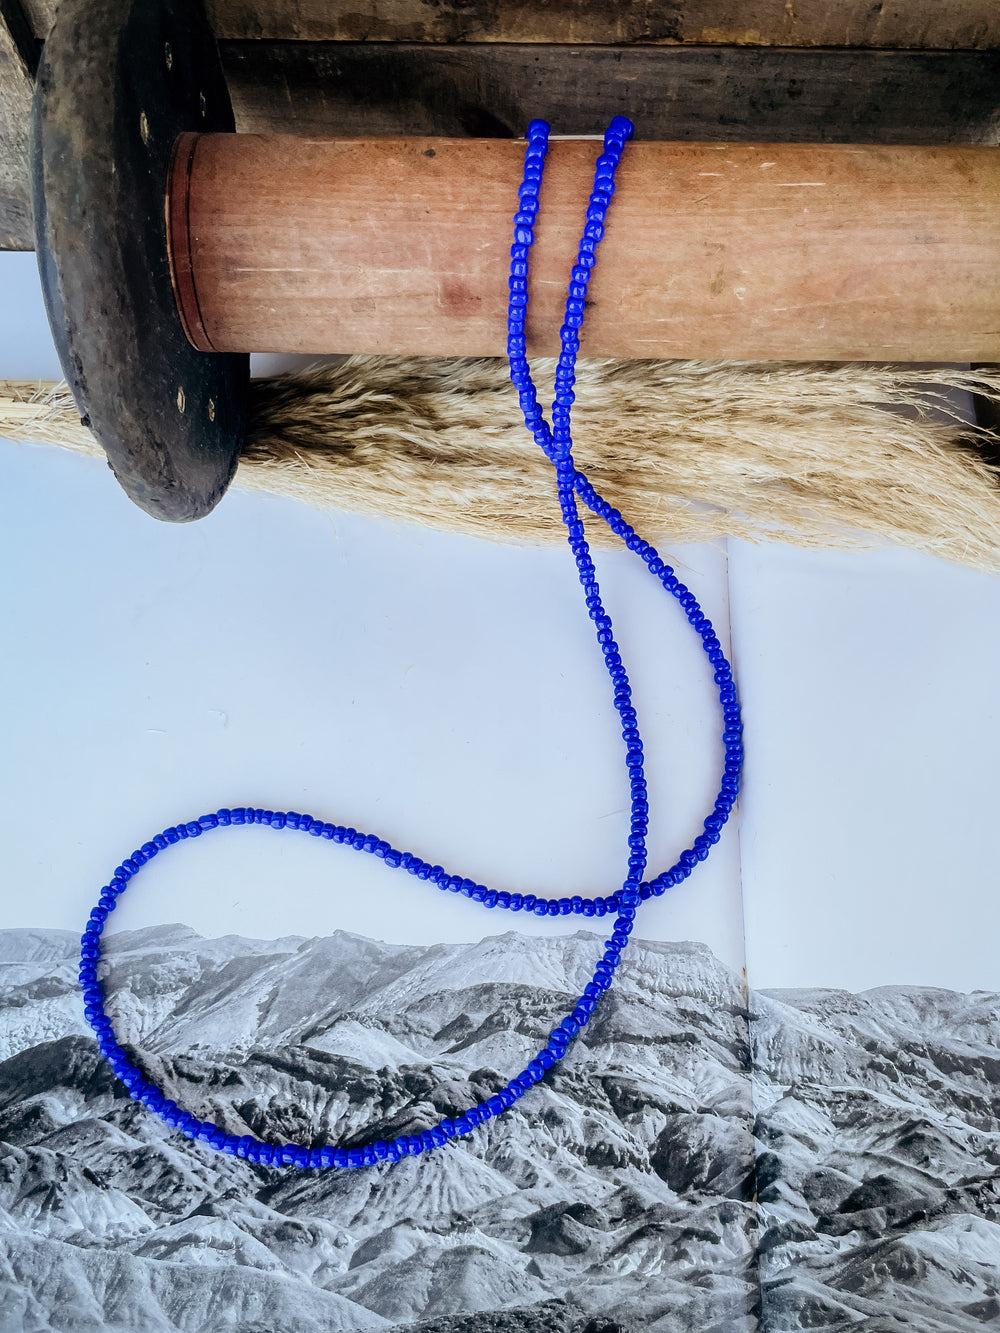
<point x="355" y="1157"/>
<point x="340" y="1158"/>
<point x="238" y="816"/>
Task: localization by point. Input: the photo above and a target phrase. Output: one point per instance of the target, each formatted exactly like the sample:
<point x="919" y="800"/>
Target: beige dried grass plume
<point x="689" y="450"/>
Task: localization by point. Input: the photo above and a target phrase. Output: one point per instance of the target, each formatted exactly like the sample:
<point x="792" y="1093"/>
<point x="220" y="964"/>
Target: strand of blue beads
<point x="557" y="444"/>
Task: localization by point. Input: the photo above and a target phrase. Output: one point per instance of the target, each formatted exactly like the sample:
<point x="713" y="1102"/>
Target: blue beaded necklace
<point x="557" y="444"/>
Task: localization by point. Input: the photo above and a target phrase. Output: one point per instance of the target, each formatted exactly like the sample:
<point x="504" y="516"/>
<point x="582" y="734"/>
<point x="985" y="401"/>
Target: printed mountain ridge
<point x="618" y="1195"/>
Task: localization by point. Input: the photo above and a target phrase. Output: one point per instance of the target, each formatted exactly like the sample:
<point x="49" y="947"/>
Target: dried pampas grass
<point x="690" y="450"/>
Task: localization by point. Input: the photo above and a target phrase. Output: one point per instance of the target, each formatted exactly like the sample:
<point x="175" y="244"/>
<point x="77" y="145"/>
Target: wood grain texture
<point x="749" y="251"/>
<point x="16" y="231"/>
<point x="915" y="24"/>
<point x="730" y="94"/>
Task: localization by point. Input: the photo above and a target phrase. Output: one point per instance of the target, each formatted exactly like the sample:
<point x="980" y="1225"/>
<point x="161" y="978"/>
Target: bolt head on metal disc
<point x="118" y="82"/>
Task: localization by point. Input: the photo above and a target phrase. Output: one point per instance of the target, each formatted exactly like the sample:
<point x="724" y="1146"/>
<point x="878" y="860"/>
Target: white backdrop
<point x="447" y="695"/>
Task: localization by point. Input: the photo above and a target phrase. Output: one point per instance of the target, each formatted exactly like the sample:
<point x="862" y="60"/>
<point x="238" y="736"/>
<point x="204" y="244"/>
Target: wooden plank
<point x="915" y="24"/>
<point x="15" y="110"/>
<point x="735" y="94"/>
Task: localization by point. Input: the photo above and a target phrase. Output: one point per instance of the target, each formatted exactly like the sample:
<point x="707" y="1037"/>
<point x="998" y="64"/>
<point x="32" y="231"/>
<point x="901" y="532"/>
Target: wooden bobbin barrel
<point x="736" y="251"/>
<point x="170" y="247"/>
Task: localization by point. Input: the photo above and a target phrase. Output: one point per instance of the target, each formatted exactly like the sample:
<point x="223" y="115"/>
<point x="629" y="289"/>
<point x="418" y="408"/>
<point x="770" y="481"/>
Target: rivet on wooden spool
<point x="180" y="399"/>
<point x="211" y="409"/>
<point x="144" y="127"/>
<point x="168" y="55"/>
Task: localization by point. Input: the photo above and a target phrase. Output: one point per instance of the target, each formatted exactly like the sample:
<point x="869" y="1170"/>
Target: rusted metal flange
<point x="119" y="80"/>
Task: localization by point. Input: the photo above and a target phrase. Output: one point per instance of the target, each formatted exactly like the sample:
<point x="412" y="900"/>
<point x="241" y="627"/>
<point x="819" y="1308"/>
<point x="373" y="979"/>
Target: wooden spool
<point x="738" y="251"/>
<point x="146" y="205"/>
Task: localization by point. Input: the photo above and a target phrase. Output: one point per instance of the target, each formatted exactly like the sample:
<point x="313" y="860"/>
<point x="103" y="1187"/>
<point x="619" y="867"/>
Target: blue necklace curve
<point x="556" y="442"/>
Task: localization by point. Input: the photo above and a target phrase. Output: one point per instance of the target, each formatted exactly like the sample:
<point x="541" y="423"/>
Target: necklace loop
<point x="556" y="441"/>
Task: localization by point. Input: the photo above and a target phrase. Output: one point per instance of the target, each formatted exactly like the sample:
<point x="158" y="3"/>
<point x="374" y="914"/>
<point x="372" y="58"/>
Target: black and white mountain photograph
<point x="617" y="1194"/>
<point x="702" y="1158"/>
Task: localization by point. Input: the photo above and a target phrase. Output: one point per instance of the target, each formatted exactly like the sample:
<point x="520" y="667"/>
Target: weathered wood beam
<point x="916" y="24"/>
<point x="15" y="110"/>
<point x="674" y="93"/>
